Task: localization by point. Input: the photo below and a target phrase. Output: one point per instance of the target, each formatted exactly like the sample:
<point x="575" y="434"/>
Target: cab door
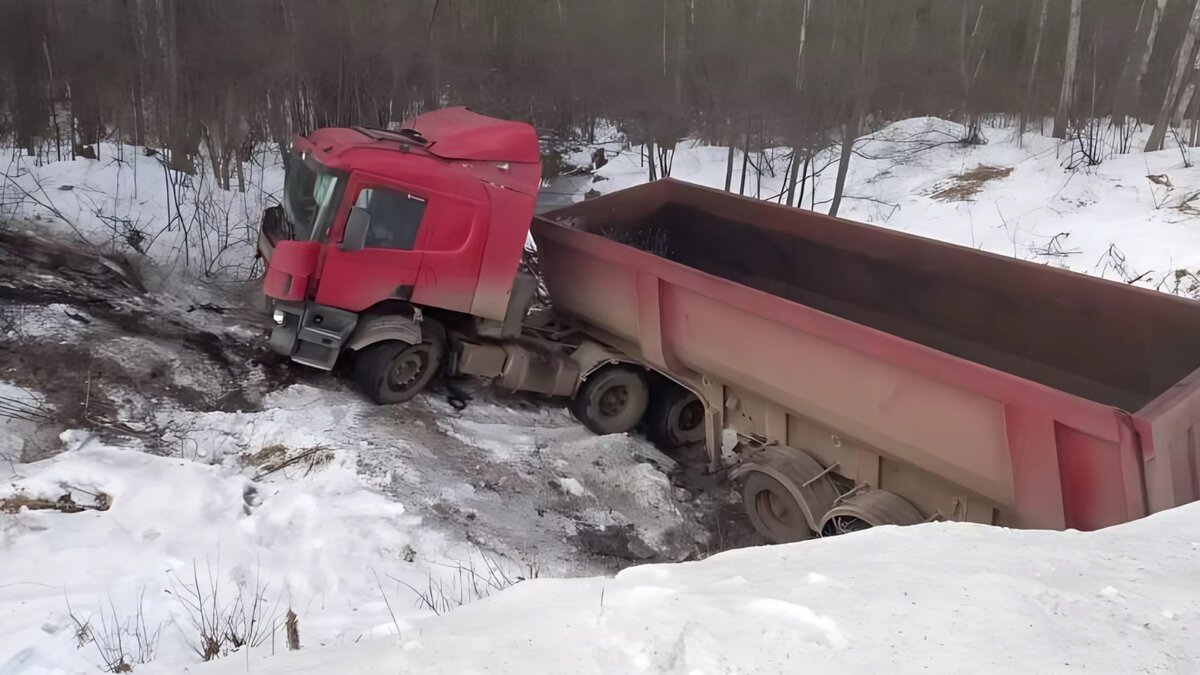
<point x="384" y="262"/>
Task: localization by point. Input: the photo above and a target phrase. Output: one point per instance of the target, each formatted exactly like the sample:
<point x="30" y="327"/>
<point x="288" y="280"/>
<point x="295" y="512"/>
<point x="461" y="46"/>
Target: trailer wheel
<point x="786" y="491"/>
<point x="393" y="372"/>
<point x="612" y="400"/>
<point x="869" y="509"/>
<point x="773" y="510"/>
<point x="675" y="417"/>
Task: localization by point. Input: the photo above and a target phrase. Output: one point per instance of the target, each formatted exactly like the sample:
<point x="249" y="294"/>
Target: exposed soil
<point x="80" y="328"/>
<point x="966" y="185"/>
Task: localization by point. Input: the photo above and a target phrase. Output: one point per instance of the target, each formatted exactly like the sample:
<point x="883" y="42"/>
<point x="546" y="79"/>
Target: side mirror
<point x="355" y="236"/>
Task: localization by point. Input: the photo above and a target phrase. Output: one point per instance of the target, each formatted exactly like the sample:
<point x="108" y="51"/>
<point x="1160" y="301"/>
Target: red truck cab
<point x="380" y="230"/>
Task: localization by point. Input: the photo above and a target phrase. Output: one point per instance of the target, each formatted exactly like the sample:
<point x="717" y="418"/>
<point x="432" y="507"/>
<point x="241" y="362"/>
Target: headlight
<point x="278" y="316"/>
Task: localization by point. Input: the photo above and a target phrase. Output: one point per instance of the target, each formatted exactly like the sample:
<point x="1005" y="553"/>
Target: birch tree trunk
<point x="849" y="135"/>
<point x="1037" y="53"/>
<point x="1129" y="88"/>
<point x="1066" y="97"/>
<point x="1182" y="61"/>
<point x="800" y="49"/>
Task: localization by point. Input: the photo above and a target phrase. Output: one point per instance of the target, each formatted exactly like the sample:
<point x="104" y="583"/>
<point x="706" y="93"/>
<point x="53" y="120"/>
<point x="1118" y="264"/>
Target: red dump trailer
<point x="875" y="376"/>
<point x="849" y="375"/>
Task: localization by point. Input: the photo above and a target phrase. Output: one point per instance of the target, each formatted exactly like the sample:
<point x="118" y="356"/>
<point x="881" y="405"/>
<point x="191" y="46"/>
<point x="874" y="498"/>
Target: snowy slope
<point x="939" y="598"/>
<point x="310" y="542"/>
<point x="376" y="513"/>
<point x="130" y="201"/>
<point x="1134" y="217"/>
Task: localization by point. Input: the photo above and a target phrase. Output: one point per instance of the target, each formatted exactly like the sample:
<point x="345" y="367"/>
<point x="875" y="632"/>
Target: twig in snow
<point x="386" y="602"/>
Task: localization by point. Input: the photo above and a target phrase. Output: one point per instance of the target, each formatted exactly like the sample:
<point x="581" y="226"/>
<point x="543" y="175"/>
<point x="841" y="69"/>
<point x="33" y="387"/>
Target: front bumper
<point x="309" y="333"/>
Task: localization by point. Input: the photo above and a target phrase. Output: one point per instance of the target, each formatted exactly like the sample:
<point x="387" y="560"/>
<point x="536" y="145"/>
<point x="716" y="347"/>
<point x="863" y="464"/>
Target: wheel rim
<point x="777" y="514"/>
<point x="613" y="401"/>
<point x="844" y="525"/>
<point x="691" y="416"/>
<point x="407" y="370"/>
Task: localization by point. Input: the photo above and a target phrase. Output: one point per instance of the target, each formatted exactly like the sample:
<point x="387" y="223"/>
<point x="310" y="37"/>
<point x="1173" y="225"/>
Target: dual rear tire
<point x="612" y="400"/>
<point x="617" y="398"/>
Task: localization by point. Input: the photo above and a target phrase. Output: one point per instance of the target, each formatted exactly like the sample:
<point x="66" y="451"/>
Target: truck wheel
<point x="393" y="372"/>
<point x="773" y="510"/>
<point x="869" y="509"/>
<point x="675" y="418"/>
<point x="612" y="400"/>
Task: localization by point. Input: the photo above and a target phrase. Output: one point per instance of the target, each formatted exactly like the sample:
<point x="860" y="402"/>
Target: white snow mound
<point x="932" y="598"/>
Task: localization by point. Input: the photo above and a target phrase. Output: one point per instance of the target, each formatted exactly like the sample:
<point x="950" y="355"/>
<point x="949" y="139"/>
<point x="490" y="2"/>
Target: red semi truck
<point x="849" y="375"/>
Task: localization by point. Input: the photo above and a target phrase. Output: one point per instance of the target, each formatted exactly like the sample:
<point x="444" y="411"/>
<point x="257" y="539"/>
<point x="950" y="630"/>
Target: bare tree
<point x="1037" y="53"/>
<point x="1137" y="61"/>
<point x="1066" y="98"/>
<point x="1183" y="59"/>
<point x="853" y="125"/>
<point x="161" y="72"/>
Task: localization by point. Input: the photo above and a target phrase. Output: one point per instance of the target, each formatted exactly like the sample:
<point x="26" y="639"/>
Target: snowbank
<point x="1135" y="217"/>
<point x="936" y="598"/>
<point x="360" y="519"/>
<point x="312" y="541"/>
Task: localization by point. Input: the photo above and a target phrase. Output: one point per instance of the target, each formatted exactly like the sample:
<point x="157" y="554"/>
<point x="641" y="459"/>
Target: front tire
<point x="612" y="400"/>
<point x="394" y="372"/>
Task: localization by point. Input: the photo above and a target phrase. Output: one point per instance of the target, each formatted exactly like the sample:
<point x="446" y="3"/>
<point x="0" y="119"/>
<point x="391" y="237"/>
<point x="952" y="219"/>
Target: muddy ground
<point x="146" y="360"/>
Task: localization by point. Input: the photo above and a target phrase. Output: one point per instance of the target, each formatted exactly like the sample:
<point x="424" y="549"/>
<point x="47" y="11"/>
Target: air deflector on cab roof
<point x="459" y="133"/>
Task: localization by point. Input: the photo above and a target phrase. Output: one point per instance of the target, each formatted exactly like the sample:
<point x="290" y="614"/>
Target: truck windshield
<point x="310" y="197"/>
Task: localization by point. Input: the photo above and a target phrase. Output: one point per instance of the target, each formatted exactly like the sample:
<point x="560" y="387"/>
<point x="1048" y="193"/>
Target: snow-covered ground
<point x="936" y="598"/>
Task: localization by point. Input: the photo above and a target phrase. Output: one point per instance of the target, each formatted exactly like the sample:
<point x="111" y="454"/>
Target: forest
<point x="182" y="75"/>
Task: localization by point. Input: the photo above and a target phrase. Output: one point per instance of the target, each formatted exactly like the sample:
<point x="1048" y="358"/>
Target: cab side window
<point x="395" y="217"/>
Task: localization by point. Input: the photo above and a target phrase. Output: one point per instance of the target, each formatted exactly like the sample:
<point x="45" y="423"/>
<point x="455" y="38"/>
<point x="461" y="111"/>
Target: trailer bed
<point x="1114" y="349"/>
<point x="1037" y="354"/>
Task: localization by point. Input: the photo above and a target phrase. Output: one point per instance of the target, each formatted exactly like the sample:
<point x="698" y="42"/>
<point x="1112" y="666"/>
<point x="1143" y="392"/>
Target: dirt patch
<point x="79" y="328"/>
<point x="966" y="185"/>
<point x="618" y="541"/>
<point x="716" y="502"/>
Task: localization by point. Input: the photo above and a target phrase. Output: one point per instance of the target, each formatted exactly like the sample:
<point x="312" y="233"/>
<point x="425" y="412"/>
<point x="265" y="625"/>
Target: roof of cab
<point x="460" y="133"/>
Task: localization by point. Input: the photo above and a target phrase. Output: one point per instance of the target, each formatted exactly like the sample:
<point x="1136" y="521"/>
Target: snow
<point x="931" y="598"/>
<point x="129" y="201"/>
<point x="312" y="538"/>
<point x="1136" y="216"/>
<point x="372" y="509"/>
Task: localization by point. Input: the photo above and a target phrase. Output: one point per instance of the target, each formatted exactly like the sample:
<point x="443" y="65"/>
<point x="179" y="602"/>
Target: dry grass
<point x="122" y="643"/>
<point x="64" y="504"/>
<point x="273" y="458"/>
<point x="225" y="621"/>
<point x="966" y="185"/>
<point x="267" y="455"/>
